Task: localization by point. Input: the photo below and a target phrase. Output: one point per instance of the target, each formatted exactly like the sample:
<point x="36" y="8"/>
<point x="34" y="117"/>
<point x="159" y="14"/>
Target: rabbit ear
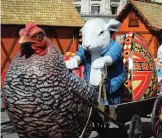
<point x="112" y="25"/>
<point x="81" y="30"/>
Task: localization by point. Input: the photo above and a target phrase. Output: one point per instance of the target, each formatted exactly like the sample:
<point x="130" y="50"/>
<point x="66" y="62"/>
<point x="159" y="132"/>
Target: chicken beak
<point x="23" y="39"/>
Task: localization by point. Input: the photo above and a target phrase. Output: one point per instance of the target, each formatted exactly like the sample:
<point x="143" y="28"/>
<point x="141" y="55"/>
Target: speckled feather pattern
<point x="40" y="96"/>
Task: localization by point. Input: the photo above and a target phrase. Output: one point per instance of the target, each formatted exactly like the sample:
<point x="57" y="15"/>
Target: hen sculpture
<point x="41" y="94"/>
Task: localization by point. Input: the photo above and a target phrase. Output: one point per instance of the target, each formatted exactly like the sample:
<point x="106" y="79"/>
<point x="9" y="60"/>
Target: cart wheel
<point x="135" y="129"/>
<point x="156" y="118"/>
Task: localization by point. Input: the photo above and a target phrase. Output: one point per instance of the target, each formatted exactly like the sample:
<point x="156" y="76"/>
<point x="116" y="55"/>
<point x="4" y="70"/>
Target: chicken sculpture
<point x="41" y="94"/>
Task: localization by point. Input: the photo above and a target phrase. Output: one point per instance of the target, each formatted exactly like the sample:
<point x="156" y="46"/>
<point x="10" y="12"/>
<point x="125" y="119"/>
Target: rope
<point x="102" y="96"/>
<point x="102" y="87"/>
<point x="90" y="112"/>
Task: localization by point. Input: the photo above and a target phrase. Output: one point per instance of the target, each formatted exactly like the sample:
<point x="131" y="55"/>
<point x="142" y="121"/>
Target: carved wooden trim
<point x="133" y="20"/>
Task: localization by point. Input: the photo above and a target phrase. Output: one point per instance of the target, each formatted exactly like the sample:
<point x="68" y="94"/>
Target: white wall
<point x="105" y="5"/>
<point x="157" y="1"/>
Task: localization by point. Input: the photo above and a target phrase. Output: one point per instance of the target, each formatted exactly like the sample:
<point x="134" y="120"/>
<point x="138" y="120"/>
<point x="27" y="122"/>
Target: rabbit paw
<point x="98" y="63"/>
<point x="72" y="63"/>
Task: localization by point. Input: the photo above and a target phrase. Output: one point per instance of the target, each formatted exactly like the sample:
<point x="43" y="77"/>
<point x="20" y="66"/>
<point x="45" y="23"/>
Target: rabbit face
<point x="96" y="34"/>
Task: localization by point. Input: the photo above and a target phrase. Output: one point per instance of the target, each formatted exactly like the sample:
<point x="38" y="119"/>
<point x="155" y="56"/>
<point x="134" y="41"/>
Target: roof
<point x="149" y="11"/>
<point x="41" y="12"/>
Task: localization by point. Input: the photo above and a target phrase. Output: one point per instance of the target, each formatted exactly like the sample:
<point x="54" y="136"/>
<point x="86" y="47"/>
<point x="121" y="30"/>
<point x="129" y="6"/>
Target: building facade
<point x="160" y="1"/>
<point x="106" y="9"/>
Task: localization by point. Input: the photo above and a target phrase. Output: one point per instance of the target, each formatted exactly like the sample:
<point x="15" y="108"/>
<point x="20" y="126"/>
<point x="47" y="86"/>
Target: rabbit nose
<point x="87" y="46"/>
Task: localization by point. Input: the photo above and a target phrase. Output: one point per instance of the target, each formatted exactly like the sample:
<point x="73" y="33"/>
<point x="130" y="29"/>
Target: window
<point x="114" y="9"/>
<point x="115" y="0"/>
<point x="78" y="7"/>
<point x="133" y="19"/>
<point x="95" y="9"/>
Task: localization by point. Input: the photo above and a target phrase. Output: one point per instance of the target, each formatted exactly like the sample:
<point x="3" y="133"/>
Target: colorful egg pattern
<point x="141" y="80"/>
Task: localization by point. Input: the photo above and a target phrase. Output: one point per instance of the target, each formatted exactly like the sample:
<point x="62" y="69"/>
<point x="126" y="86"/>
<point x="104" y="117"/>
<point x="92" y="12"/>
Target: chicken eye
<point x="101" y="33"/>
<point x="38" y="36"/>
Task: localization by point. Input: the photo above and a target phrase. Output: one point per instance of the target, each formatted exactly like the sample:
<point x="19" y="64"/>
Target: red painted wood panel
<point x="143" y="30"/>
<point x="64" y="37"/>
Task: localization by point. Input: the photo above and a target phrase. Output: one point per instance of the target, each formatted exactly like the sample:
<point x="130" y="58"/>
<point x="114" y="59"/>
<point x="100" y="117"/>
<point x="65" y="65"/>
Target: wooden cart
<point x="141" y="91"/>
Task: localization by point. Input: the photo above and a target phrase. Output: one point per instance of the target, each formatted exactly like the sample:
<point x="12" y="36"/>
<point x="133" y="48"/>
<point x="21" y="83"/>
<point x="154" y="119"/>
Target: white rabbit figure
<point x="97" y="50"/>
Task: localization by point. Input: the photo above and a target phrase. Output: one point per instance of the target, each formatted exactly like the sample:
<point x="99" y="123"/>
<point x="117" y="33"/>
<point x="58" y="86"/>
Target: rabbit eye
<point x="101" y="33"/>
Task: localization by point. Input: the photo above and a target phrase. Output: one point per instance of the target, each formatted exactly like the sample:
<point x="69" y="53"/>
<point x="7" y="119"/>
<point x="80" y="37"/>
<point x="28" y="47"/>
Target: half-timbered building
<point x="59" y="19"/>
<point x="143" y="18"/>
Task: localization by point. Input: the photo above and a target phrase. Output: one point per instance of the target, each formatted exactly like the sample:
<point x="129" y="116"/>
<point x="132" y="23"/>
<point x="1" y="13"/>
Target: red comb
<point x="28" y="26"/>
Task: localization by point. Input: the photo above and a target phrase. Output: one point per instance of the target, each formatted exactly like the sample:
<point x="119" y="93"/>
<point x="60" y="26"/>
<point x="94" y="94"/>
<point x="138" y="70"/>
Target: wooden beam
<point x="126" y="31"/>
<point x="150" y="40"/>
<point x="5" y="51"/>
<point x="155" y="47"/>
<point x="58" y="42"/>
<point x="9" y="53"/>
<point x="77" y="37"/>
<point x="69" y="45"/>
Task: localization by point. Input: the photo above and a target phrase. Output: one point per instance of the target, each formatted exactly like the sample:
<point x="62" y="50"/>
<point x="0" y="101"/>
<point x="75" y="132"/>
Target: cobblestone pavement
<point x="112" y="132"/>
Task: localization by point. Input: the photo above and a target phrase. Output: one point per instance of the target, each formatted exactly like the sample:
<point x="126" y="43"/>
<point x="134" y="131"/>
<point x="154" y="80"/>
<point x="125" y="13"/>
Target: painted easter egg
<point x="140" y="66"/>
